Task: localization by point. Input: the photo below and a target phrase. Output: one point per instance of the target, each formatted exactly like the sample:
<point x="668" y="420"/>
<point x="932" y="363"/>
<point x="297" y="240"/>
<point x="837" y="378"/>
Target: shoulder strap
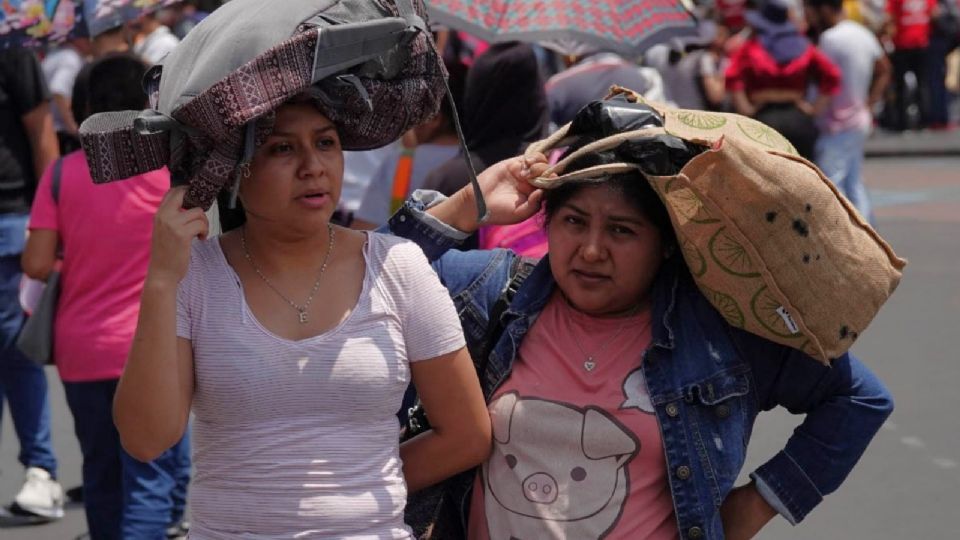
<point x="520" y="270"/>
<point x="56" y="177"/>
<point x="55" y="180"/>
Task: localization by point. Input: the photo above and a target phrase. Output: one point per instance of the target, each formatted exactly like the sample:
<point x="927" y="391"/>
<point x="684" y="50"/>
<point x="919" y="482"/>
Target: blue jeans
<point x="22" y="382"/>
<point x="840" y="157"/>
<point x="123" y="497"/>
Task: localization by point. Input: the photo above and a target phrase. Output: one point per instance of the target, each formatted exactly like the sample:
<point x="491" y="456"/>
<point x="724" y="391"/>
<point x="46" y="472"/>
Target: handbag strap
<point x="56" y="177"/>
<point x="55" y="180"/>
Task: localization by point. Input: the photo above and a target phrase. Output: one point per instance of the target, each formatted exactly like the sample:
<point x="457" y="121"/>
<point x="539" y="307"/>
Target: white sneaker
<point x="40" y="495"/>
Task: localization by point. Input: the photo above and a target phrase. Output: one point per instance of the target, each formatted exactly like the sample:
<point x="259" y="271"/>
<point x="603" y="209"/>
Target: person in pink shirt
<point x="104" y="232"/>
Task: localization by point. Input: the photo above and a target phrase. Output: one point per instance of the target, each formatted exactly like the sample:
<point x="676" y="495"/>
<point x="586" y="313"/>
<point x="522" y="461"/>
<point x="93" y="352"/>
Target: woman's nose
<point x="311" y="163"/>
<point x="593" y="249"/>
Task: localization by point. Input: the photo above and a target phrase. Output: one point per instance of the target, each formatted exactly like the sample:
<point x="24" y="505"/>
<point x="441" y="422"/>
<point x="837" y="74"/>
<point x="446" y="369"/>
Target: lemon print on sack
<point x="772" y="316"/>
<point x="731" y="255"/>
<point x="726" y="305"/>
<point x="687" y="204"/>
<point x="701" y="120"/>
<point x="695" y="260"/>
<point x="765" y="135"/>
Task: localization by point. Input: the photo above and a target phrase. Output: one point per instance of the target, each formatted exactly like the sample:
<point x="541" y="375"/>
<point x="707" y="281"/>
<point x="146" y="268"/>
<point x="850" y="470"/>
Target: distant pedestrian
<point x="152" y="40"/>
<point x="589" y="76"/>
<point x="60" y="67"/>
<point x="691" y="70"/>
<point x="27" y="144"/>
<point x="504" y="110"/>
<point x="909" y="25"/>
<point x="846" y="122"/>
<point x="105" y="235"/>
<point x="944" y="38"/>
<point x="770" y="74"/>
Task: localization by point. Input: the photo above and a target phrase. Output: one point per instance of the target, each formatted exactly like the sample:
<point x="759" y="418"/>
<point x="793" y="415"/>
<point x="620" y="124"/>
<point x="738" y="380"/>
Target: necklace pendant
<point x="589" y="364"/>
<point x="303" y="317"/>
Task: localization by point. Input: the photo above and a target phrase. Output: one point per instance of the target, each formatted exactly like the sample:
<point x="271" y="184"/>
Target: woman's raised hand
<point x="506" y="188"/>
<point x="173" y="230"/>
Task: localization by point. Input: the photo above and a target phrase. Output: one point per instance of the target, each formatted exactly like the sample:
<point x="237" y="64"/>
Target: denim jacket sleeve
<point x="412" y="222"/>
<point x="845" y="405"/>
<point x="459" y="271"/>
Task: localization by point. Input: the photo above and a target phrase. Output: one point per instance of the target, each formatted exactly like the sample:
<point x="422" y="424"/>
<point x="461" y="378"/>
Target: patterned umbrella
<point x="32" y="23"/>
<point x="624" y="26"/>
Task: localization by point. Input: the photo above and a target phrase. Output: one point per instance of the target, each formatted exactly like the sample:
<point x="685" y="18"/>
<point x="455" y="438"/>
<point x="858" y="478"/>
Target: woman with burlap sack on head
<point x="290" y="340"/>
<point x="622" y="395"/>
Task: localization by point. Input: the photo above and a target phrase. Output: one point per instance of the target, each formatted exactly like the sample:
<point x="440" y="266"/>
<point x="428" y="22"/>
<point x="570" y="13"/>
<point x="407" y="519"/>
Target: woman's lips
<point x="590" y="277"/>
<point x="314" y="200"/>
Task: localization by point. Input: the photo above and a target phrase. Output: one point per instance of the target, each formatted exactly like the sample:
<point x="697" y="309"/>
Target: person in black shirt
<point x="28" y="144"/>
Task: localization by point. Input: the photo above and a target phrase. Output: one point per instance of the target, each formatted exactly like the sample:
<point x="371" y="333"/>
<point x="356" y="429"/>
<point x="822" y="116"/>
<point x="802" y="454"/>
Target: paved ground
<point x="916" y="143"/>
<point x="907" y="484"/>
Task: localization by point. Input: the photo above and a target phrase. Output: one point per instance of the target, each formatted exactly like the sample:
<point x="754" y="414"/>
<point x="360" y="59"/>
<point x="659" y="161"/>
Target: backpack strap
<point x="55" y="177"/>
<point x="57" y="174"/>
<point x="520" y="270"/>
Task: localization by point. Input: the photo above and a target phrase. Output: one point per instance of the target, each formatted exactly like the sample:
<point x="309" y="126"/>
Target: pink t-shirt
<point x="105" y="231"/>
<point x="577" y="452"/>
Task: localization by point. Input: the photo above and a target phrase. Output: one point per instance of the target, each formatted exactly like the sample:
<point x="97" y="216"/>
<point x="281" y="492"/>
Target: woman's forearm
<point x="458" y="211"/>
<point x="153" y="398"/>
<point x="435" y="456"/>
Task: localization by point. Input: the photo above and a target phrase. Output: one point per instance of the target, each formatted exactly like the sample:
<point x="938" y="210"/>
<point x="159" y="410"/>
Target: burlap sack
<point x="769" y="240"/>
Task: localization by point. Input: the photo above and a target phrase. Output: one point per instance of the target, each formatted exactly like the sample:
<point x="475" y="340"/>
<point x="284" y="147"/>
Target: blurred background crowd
<point x="825" y="73"/>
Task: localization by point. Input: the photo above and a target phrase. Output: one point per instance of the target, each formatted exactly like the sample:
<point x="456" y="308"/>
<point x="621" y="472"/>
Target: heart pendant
<point x="589" y="364"/>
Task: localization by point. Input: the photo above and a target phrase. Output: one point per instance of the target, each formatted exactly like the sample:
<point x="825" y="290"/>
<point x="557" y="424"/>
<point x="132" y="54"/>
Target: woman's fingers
<point x="197" y="228"/>
<point x="174" y="230"/>
<point x="173" y="199"/>
<point x="532" y="204"/>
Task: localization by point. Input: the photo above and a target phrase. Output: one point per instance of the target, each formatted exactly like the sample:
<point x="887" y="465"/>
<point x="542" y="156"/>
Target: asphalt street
<point x="908" y="483"/>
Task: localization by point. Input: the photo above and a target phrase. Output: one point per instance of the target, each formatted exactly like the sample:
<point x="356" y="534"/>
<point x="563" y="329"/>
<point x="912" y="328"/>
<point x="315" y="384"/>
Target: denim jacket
<point x="706" y="380"/>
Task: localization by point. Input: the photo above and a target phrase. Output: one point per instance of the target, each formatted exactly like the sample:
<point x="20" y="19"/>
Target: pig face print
<point x="556" y="470"/>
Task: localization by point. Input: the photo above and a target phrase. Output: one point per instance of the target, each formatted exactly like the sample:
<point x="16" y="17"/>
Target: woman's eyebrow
<point x="323" y="129"/>
<point x="628" y="219"/>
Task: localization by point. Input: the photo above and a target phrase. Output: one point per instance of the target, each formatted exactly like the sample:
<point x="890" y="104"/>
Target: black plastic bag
<point x="657" y="155"/>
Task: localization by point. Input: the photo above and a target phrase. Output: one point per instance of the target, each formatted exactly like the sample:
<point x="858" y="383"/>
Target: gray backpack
<point x="371" y="65"/>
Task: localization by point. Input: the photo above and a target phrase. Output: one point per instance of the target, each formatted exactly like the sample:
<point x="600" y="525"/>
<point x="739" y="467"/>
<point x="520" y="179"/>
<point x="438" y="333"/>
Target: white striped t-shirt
<point x="298" y="439"/>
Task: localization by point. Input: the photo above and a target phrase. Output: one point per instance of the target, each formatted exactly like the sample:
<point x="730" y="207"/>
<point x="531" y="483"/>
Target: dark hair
<point x="835" y="5"/>
<point x="114" y="84"/>
<point x="79" y="105"/>
<point x="635" y="190"/>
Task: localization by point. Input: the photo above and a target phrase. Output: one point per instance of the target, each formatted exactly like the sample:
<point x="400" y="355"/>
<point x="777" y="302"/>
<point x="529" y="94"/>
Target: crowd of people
<point x="823" y="74"/>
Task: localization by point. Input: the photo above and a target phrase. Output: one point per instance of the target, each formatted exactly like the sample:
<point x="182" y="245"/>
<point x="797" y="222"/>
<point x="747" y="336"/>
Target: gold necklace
<point x="301" y="310"/>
